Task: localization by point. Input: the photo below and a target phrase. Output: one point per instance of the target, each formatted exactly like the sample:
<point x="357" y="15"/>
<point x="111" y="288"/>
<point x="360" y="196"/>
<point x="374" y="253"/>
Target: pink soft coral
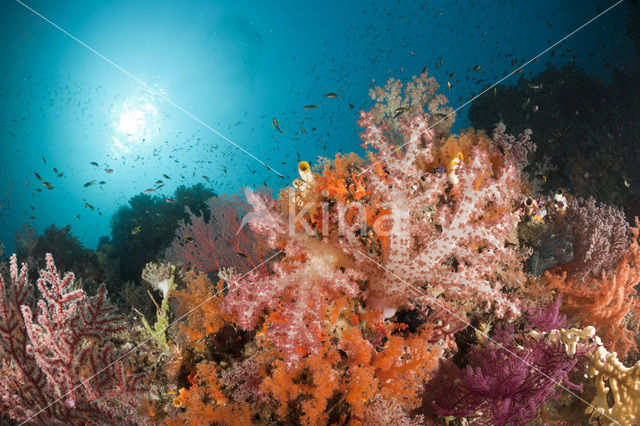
<point x="449" y="231"/>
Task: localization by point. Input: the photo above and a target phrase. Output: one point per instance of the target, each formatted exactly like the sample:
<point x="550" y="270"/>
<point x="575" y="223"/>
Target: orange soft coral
<point x="201" y="299"/>
<point x="609" y="304"/>
<point x="405" y="365"/>
<point x="308" y="387"/>
<point x="462" y="144"/>
<point x="397" y="371"/>
<point x="205" y="403"/>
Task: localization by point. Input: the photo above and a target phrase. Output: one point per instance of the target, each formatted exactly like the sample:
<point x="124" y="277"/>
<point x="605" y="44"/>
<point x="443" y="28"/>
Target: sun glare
<point x="137" y="121"/>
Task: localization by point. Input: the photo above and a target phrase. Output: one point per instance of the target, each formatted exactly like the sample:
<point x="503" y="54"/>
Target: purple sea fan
<point x="549" y="318"/>
<point x="600" y="237"/>
<point x="507" y="380"/>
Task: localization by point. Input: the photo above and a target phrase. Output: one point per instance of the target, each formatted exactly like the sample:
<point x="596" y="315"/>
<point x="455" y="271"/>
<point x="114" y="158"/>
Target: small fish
<point x="400" y="110"/>
<point x="312" y="106"/>
<point x="159" y="186"/>
<point x="276" y="124"/>
<point x="148" y="190"/>
<point x="44" y="160"/>
<point x="331" y="95"/>
<point x="89" y="206"/>
<point x="188" y="239"/>
<point x="91" y="182"/>
<point x="93" y="163"/>
<point x="351" y="107"/>
<point x="47" y="185"/>
<point x="102" y="182"/>
<point x="302" y="129"/>
<point x="59" y="175"/>
<point x="449" y="85"/>
<point x="170" y="200"/>
<point x="108" y="171"/>
<point x="32" y="217"/>
<point x="37" y="176"/>
<point x="165" y="176"/>
<point x="535" y="86"/>
<point x="135" y="230"/>
<point x="477" y="67"/>
<point x="205" y="178"/>
<point x="159" y="181"/>
<point x="518" y="71"/>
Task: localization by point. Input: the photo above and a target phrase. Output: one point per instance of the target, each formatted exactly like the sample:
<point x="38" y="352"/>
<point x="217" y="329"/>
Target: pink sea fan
<point x="219" y="242"/>
<point x="57" y="366"/>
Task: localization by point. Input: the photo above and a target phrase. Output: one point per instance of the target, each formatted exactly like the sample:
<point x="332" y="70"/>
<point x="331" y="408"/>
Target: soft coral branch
<point x="451" y="237"/>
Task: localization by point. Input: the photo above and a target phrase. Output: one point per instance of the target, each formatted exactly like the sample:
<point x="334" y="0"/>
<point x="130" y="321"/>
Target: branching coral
<point x="615" y="382"/>
<point x="617" y="399"/>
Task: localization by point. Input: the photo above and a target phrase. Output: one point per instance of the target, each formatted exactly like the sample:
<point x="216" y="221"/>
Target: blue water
<point x="235" y="67"/>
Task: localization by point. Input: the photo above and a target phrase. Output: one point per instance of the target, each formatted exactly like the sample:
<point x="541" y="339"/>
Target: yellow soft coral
<point x="612" y="379"/>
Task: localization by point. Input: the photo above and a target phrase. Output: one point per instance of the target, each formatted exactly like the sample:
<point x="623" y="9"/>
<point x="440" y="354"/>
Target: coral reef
<point x="432" y="280"/>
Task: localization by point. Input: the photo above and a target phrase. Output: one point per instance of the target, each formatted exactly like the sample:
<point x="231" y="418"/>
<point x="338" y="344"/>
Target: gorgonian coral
<point x="600" y="236"/>
<point x="58" y="366"/>
<point x="608" y="302"/>
<point x="508" y="377"/>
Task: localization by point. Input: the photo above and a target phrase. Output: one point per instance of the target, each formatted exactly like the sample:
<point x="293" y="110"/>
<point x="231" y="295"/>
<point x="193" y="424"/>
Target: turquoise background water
<point x="236" y="66"/>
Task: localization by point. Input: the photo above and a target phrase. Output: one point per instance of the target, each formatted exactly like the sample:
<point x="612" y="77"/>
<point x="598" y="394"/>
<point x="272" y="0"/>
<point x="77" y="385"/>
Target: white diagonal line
<point x="146" y="86"/>
<point x="435" y="302"/>
<point x="121" y="357"/>
<point x="535" y="58"/>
